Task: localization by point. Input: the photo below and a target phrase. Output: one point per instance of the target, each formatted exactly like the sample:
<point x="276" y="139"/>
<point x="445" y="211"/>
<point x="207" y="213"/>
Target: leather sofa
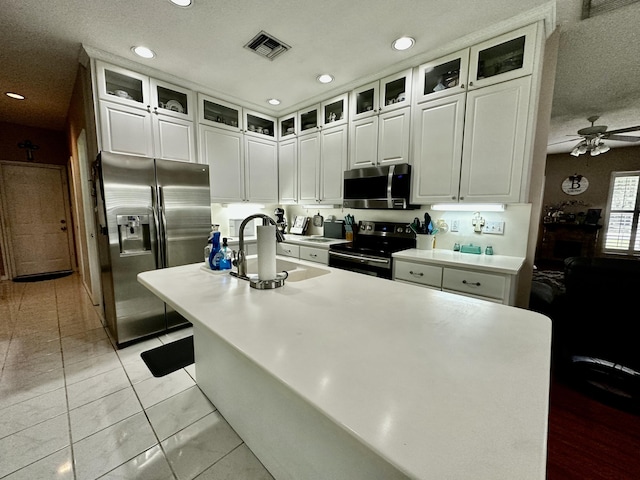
<point x="595" y="323"/>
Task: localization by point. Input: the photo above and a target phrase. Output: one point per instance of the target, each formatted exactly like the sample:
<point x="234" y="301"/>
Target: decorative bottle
<point x="215" y="248"/>
<point x="222" y="259"/>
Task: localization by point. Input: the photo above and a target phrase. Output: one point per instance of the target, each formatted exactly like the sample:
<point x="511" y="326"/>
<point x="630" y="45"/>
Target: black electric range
<point x="372" y="247"/>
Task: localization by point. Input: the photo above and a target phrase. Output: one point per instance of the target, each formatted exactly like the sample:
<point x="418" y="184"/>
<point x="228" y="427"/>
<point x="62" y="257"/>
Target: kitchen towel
<point x="266" y="252"/>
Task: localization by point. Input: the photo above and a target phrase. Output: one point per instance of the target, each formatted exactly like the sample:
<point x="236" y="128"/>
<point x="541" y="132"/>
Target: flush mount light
<point x="15" y="96"/>
<point x="143" y="52"/>
<point x="325" y="78"/>
<point x="274" y="101"/>
<point x="182" y="3"/>
<point x="403" y="43"/>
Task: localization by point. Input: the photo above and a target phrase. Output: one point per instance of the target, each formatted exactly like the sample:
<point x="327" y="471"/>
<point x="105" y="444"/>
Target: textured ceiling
<point x="597" y="72"/>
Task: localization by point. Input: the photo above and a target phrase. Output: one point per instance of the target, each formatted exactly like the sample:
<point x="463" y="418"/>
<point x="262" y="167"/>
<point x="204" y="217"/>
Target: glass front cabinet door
<point x="260" y="125"/>
<point x="503" y="58"/>
<point x="309" y="120"/>
<point x="395" y="91"/>
<point x="288" y="126"/>
<point x="218" y="113"/>
<point x="171" y="100"/>
<point x="116" y="84"/>
<point x="442" y="77"/>
<point x="334" y="111"/>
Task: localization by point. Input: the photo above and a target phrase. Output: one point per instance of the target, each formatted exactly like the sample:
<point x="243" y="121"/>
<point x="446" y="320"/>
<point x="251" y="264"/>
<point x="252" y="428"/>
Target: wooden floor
<point x="590" y="440"/>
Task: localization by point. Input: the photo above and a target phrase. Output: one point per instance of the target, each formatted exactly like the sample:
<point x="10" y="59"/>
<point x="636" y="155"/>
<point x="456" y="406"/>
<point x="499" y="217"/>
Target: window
<point x="621" y="236"/>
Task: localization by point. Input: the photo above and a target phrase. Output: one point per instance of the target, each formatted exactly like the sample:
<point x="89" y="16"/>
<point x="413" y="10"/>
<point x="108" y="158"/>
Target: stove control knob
<point x="369" y="227"/>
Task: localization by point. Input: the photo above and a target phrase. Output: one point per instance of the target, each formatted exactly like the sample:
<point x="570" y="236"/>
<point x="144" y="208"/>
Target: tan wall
<point x="597" y="170"/>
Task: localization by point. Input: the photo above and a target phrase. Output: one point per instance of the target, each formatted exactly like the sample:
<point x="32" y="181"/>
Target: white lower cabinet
<point x="426" y="275"/>
<point x="319" y="255"/>
<point x="487" y="286"/>
<point x="494" y="287"/>
<point x="311" y="254"/>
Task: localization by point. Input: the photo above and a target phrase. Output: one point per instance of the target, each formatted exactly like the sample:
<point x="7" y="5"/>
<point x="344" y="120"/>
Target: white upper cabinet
<point x="503" y="58"/>
<point x="144" y="116"/>
<point x="260" y="125"/>
<point x="288" y="126"/>
<point x="335" y="111"/>
<point x="309" y="120"/>
<point x="221" y="114"/>
<point x="495" y="142"/>
<point x="383" y="95"/>
<point x="288" y="171"/>
<point x="442" y="77"/>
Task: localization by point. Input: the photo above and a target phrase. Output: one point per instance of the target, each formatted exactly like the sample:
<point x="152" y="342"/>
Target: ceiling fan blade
<point x="623" y="138"/>
<point x="565" y="141"/>
<point x="624" y="130"/>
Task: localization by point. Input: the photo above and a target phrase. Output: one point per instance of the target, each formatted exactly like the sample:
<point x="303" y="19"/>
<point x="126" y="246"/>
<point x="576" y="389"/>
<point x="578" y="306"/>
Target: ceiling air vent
<point x="267" y="45"/>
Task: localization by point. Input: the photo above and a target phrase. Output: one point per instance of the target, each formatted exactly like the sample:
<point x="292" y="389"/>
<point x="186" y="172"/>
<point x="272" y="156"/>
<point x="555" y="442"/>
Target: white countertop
<point x="440" y="385"/>
<point x="312" y="240"/>
<point x="489" y="263"/>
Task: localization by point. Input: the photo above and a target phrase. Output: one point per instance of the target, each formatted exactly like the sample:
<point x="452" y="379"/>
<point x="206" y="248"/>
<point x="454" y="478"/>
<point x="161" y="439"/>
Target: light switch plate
<point x="496" y="228"/>
<point x="455" y="225"/>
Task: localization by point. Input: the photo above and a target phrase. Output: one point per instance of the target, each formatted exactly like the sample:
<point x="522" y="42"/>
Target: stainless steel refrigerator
<point x="151" y="214"/>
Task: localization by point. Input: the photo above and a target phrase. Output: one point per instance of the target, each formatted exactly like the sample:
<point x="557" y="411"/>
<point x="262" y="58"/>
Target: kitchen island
<point x="344" y="376"/>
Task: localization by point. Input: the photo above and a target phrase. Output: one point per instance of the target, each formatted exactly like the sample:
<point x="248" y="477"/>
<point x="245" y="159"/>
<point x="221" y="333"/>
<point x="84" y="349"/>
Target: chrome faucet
<point x="241" y="261"/>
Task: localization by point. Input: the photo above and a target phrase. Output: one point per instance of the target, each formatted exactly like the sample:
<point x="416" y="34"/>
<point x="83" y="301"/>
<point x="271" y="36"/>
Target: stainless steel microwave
<point x="387" y="187"/>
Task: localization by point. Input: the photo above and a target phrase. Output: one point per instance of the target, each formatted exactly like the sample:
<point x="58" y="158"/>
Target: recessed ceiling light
<point x="325" y="78"/>
<point x="181" y="3"/>
<point x="143" y="52"/>
<point x="403" y="43"/>
<point x="274" y="101"/>
<point x="16" y="96"/>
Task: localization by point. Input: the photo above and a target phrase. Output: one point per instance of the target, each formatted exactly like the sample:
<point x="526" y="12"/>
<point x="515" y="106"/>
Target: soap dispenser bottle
<point x="222" y="259"/>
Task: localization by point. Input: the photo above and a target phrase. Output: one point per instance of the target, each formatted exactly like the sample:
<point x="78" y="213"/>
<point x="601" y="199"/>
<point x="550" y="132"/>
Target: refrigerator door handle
<point x="162" y="230"/>
<point x="156" y="223"/>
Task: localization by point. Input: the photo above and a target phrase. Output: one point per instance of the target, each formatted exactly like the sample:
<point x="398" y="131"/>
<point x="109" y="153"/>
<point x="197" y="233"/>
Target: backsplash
<point x="513" y="242"/>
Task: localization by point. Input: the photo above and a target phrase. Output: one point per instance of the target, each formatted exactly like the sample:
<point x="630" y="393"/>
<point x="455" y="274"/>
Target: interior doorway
<point x="36" y="219"/>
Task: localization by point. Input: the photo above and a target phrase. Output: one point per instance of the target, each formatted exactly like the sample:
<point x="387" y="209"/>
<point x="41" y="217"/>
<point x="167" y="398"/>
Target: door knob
<point x="63" y="228"/>
<point x="63" y="221"/>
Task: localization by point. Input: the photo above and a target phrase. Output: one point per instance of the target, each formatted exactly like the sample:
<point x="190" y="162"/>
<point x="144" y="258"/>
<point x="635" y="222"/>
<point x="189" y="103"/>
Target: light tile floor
<point x="74" y="407"/>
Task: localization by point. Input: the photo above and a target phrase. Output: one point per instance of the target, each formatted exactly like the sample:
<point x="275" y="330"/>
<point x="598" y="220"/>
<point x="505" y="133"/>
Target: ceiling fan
<point x="593" y="136"/>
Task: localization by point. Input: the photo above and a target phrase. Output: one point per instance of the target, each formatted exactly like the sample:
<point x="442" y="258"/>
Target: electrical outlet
<point x="455" y="225"/>
<point x="496" y="228"/>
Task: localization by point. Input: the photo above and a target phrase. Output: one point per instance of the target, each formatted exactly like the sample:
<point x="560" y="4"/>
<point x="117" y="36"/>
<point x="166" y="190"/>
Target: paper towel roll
<point x="266" y="252"/>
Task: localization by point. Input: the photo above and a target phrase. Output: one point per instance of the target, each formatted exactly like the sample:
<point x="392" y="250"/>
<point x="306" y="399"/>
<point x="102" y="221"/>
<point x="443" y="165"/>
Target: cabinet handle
<point x="471" y="84"/>
<point x="416" y="274"/>
<point x="462" y="85"/>
<point x="155" y="110"/>
<point x="477" y="284"/>
<point x="461" y="198"/>
<point x="149" y="108"/>
<point x="313" y="255"/>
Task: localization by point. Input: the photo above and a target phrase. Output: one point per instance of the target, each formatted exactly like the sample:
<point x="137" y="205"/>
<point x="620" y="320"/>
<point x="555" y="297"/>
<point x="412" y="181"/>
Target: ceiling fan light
<point x="575" y="152"/>
<point x="582" y="149"/>
<point x="595" y="152"/>
<point x="604" y="148"/>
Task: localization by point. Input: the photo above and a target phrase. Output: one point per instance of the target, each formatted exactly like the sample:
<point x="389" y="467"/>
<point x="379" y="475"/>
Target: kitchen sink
<point x="318" y="240"/>
<point x="296" y="272"/>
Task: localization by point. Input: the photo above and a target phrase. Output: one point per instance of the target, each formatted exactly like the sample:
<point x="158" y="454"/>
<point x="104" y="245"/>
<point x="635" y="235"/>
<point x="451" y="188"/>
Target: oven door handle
<point x="359" y="259"/>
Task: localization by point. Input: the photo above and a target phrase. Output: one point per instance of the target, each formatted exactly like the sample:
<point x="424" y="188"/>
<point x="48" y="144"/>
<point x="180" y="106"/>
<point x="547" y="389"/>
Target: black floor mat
<point x="42" y="276"/>
<point x="170" y="357"/>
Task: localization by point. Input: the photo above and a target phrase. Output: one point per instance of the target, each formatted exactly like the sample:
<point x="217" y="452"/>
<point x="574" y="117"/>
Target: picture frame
<point x="593" y="215"/>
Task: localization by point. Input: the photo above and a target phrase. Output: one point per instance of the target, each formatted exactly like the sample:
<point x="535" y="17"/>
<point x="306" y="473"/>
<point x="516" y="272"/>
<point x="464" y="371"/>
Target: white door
<point x="222" y="150"/>
<point x="288" y="171"/>
<point x="126" y="129"/>
<point x="437" y="149"/>
<point x="308" y="167"/>
<point x="364" y="142"/>
<point x="35" y="205"/>
<point x="261" y="170"/>
<point x="174" y="139"/>
<point x="393" y="136"/>
<point x="494" y="145"/>
<point x="91" y="238"/>
<point x="333" y="163"/>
